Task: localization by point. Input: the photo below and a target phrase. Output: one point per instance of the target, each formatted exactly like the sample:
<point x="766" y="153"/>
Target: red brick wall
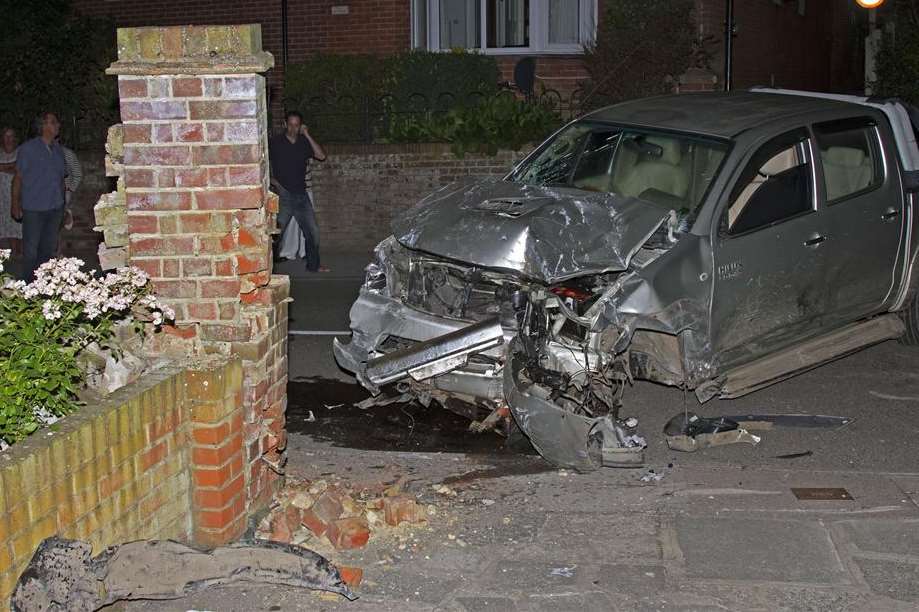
<point x="773" y="45"/>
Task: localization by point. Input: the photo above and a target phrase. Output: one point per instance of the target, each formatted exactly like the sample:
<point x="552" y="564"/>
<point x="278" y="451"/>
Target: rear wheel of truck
<point x="911" y="317"/>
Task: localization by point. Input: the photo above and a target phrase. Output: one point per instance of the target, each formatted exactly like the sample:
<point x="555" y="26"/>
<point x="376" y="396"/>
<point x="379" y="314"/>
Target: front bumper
<point x="376" y="317"/>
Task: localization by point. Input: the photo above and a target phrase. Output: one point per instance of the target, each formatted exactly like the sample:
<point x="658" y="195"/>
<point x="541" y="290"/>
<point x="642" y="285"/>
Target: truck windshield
<point x="667" y="169"/>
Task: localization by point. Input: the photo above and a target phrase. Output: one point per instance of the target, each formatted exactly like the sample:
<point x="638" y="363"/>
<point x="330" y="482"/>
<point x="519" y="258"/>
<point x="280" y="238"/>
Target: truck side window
<point x="850" y="155"/>
<point x="775" y="185"/>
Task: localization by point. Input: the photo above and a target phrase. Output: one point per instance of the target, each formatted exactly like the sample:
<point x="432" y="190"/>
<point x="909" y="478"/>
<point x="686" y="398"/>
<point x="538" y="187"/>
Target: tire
<point x="910" y="316"/>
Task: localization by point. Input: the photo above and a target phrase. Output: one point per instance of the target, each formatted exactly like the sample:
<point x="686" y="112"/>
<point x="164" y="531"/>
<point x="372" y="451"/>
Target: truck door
<point x="768" y="252"/>
<point x="863" y="203"/>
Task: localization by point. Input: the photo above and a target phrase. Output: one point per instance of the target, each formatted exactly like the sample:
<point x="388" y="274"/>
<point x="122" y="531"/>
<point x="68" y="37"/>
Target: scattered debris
<point x="64" y="576"/>
<point x="384" y="400"/>
<point x="344" y="517"/>
<point x="689" y="432"/>
<point x="332" y="406"/>
<point x="564" y="572"/>
<point x="804" y="421"/>
<point x="310" y="417"/>
<point x="896" y="398"/>
<point x="822" y="494"/>
<point x="491" y="421"/>
<point x="794" y="455"/>
<point x="652" y="476"/>
<point x="442" y="489"/>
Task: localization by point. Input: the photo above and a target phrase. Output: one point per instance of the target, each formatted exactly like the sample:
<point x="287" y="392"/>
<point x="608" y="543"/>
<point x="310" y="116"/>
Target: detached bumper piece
<point x="436" y="356"/>
<point x="564" y="438"/>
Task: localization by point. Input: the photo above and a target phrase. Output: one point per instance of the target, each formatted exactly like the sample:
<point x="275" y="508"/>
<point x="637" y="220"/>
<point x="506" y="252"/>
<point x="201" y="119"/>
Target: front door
<point x="864" y="207"/>
<point x="769" y="255"/>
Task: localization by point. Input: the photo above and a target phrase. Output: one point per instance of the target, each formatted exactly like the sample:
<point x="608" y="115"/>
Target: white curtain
<point x="510" y="23"/>
<point x="459" y="24"/>
<point x="564" y="21"/>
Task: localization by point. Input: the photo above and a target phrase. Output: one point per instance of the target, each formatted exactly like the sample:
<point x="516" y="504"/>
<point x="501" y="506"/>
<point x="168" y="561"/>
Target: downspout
<point x="728" y="43"/>
<point x="284" y="45"/>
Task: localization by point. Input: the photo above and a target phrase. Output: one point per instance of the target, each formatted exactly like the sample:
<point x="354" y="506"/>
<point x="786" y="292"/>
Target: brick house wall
<point x="814" y="51"/>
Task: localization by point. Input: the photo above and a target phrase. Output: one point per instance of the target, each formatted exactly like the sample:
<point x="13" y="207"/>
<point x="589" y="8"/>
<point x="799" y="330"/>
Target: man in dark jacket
<point x="288" y="154"/>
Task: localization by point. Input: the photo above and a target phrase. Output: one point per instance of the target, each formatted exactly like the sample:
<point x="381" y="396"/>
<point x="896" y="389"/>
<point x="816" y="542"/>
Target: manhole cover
<point x="822" y="494"/>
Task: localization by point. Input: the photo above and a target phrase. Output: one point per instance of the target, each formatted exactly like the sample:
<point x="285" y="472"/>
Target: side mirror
<point x="911" y="181"/>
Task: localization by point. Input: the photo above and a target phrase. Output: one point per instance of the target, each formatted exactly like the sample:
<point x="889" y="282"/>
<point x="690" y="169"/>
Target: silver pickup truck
<point x="715" y="242"/>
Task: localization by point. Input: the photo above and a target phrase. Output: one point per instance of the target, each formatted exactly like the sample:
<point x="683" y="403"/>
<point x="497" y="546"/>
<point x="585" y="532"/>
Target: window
<point x="504" y="26"/>
<point x="665" y="169"/>
<point x="850" y="156"/>
<point x="776" y="185"/>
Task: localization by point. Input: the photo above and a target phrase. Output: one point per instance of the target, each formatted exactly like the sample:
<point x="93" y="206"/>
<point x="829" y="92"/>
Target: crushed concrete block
<point x="349" y="533"/>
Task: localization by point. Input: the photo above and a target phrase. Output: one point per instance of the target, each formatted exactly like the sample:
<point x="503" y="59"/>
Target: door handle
<point x="815" y="240"/>
<point x="890" y="214"/>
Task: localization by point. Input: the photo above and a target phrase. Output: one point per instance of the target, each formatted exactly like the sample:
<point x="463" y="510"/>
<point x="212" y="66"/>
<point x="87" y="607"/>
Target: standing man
<point x="289" y="154"/>
<point x="38" y="194"/>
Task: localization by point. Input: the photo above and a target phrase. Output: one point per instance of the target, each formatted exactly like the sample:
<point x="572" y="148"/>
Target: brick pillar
<point x="193" y="210"/>
<point x="217" y="455"/>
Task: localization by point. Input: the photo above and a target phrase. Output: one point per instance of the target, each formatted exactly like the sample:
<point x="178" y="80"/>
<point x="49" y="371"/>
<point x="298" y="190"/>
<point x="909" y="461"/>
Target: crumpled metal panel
<point x="561" y="437"/>
<point x="546" y="234"/>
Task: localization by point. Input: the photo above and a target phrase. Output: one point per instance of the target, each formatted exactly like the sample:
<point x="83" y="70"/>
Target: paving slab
<point x="758" y="550"/>
<point x="885" y="537"/>
<point x="895" y="579"/>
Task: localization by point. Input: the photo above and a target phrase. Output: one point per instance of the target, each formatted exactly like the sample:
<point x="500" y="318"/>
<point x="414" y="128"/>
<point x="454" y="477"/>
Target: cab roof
<point x="723" y="115"/>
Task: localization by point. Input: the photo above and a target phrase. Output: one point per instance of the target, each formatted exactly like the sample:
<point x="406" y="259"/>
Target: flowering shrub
<point x="46" y="323"/>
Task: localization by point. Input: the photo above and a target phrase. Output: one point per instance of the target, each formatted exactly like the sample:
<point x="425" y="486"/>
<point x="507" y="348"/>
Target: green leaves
<point x="54" y="60"/>
<point x="898" y="57"/>
<point x="499" y="122"/>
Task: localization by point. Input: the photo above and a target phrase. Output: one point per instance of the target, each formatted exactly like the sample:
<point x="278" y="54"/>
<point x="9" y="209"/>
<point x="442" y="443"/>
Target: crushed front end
<point x="486" y="343"/>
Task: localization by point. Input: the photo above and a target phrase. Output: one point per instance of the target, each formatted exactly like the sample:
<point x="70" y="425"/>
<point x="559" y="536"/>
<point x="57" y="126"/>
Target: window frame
<point x="874" y="143"/>
<point x="538" y="34"/>
<point x="809" y="141"/>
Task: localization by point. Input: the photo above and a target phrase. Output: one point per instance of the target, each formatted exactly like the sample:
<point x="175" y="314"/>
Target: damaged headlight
<point x="376" y="272"/>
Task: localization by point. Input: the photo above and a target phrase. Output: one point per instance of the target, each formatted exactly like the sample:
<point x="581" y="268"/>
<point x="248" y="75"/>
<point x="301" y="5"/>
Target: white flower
<point x="51" y="311"/>
<point x="15" y="285"/>
<point x="157" y="318"/>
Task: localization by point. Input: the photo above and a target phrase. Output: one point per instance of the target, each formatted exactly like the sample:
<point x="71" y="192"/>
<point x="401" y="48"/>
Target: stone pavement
<point x="523" y="536"/>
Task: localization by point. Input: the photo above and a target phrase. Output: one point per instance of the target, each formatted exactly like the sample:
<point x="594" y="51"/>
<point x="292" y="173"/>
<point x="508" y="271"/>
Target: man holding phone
<point x="289" y="154"/>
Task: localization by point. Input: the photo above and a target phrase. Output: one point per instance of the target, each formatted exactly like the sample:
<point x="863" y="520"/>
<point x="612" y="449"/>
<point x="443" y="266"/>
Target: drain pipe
<point x="284" y="45"/>
<point x="728" y="43"/>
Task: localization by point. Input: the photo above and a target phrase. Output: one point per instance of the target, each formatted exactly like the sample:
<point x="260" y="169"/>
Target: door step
<point x="810" y="354"/>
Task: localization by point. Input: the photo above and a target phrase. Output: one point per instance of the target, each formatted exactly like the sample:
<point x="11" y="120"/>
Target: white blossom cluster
<point x="62" y="281"/>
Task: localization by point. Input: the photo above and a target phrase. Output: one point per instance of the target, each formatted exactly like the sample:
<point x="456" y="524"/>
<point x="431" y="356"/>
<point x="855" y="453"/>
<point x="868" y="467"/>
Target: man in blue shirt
<point x="38" y="194"/>
<point x="289" y="153"/>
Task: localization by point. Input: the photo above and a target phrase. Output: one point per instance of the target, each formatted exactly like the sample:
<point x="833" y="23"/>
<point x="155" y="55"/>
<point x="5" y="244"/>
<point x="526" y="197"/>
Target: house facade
<point x="806" y="44"/>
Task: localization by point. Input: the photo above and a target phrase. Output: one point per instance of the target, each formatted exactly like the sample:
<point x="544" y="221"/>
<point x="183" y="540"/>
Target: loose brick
<point x="181" y="331"/>
<point x="401" y="509"/>
<point x="349" y="533"/>
<point x="352" y="576"/>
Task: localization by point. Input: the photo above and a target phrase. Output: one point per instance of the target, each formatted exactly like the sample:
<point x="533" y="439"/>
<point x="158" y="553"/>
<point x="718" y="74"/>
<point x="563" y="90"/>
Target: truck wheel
<point x="911" y="317"/>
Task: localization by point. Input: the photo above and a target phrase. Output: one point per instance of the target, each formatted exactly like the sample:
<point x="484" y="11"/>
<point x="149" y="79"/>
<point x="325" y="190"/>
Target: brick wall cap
<point x="225" y="49"/>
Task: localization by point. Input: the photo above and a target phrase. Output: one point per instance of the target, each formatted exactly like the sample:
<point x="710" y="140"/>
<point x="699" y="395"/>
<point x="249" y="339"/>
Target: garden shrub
<point x="43" y="327"/>
<point x="54" y="59"/>
<point x="499" y="122"/>
<point x="897" y="67"/>
<point x="641" y="48"/>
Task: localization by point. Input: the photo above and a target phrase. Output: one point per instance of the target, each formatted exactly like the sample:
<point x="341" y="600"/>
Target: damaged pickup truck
<point x="714" y="242"/>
